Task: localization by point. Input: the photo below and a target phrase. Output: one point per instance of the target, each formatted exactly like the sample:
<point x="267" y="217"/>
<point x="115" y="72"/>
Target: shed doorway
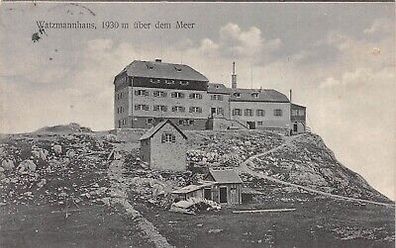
<point x="295" y="127"/>
<point x="223" y="195"/>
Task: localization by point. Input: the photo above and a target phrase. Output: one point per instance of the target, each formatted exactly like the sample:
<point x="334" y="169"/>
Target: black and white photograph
<point x="200" y="125"/>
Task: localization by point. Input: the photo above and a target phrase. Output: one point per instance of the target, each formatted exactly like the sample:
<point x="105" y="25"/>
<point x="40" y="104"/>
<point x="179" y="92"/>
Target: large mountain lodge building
<point x="147" y="92"/>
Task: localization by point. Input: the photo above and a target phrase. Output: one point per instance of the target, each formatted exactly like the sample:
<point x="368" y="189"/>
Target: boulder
<point x="27" y="166"/>
<point x="57" y="149"/>
<point x="70" y="153"/>
<point x="7" y="164"/>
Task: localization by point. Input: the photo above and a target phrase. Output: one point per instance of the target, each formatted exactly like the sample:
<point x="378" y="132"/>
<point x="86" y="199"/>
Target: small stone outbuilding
<point x="164" y="147"/>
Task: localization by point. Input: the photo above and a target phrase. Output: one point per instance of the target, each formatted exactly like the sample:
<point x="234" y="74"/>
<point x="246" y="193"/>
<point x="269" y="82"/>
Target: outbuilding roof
<point x="159" y="69"/>
<point x="150" y="133"/>
<point x="225" y="175"/>
<point x="257" y="95"/>
<point x="193" y="187"/>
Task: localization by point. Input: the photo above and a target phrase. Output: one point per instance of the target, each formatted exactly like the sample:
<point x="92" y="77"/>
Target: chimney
<point x="233" y="77"/>
<point x="290" y="95"/>
<point x="158" y="60"/>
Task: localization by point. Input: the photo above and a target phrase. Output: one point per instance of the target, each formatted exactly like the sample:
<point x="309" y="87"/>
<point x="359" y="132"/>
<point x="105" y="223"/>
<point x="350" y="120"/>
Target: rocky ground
<point x="71" y="187"/>
<point x="307" y="161"/>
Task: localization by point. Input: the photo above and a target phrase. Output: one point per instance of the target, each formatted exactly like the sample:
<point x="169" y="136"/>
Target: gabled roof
<point x="157" y="69"/>
<point x="150" y="133"/>
<point x="257" y="95"/>
<point x="225" y="175"/>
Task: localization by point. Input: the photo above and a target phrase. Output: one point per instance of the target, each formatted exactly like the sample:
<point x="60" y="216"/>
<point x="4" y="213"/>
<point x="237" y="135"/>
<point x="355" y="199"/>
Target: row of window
<point x="164" y="108"/>
<point x="164" y="94"/>
<point x="183" y="122"/>
<point x="298" y="112"/>
<point x="259" y="112"/>
<point x="169" y="81"/>
<point x="168" y="138"/>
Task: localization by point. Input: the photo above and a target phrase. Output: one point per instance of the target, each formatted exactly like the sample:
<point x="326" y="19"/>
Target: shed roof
<point x="150" y="133"/>
<point x="193" y="187"/>
<point x="158" y="69"/>
<point x="257" y="95"/>
<point x="225" y="175"/>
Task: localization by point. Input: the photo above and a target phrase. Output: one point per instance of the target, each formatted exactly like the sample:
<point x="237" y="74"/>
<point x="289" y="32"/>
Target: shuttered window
<point x="178" y="109"/>
<point x="195" y="110"/>
<point x="141" y="93"/>
<point x="260" y="112"/>
<point x="177" y="95"/>
<point x="143" y="107"/>
<point x="278" y="112"/>
<point x="248" y="112"/>
<point x="236" y="112"/>
<point x="195" y="96"/>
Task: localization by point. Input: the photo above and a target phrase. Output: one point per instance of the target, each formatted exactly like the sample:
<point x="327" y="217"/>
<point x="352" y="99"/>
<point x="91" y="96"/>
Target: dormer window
<point x="236" y="94"/>
<point x="149" y="66"/>
<point x="255" y="95"/>
<point x="178" y="68"/>
<point x="184" y="82"/>
<point x="217" y="86"/>
<point x="170" y="81"/>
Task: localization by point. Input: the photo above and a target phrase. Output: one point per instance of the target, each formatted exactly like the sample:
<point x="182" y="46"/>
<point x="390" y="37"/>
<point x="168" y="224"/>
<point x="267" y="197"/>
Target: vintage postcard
<point x="224" y="125"/>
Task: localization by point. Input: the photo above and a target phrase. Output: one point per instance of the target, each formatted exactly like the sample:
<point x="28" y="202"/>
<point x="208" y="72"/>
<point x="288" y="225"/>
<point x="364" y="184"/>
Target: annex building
<point x="148" y="92"/>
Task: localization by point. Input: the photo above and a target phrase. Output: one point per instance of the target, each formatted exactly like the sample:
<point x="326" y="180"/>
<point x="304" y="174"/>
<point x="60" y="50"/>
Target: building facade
<point x="147" y="92"/>
<point x="164" y="147"/>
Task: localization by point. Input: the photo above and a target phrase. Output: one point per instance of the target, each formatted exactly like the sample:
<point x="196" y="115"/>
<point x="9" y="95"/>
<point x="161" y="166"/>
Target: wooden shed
<point x="221" y="185"/>
<point x="228" y="185"/>
<point x="164" y="147"/>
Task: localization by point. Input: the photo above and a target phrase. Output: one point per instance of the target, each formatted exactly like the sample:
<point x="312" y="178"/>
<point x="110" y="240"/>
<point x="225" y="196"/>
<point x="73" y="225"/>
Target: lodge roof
<point x="158" y="69"/>
<point x="225" y="175"/>
<point x="298" y="106"/>
<point x="257" y="95"/>
<point x="150" y="133"/>
<point x="216" y="88"/>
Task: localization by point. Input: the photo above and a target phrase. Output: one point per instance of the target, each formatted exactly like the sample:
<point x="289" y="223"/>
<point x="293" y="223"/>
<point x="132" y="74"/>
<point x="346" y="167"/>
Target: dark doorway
<point x="295" y="127"/>
<point x="251" y="124"/>
<point x="212" y="111"/>
<point x="208" y="194"/>
<point x="223" y="194"/>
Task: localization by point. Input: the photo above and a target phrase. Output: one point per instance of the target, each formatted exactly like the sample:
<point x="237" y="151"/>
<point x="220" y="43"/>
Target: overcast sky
<point x="338" y="59"/>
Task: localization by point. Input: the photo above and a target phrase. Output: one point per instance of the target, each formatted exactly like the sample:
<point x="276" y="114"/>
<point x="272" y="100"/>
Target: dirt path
<point x="244" y="168"/>
<point x="118" y="193"/>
